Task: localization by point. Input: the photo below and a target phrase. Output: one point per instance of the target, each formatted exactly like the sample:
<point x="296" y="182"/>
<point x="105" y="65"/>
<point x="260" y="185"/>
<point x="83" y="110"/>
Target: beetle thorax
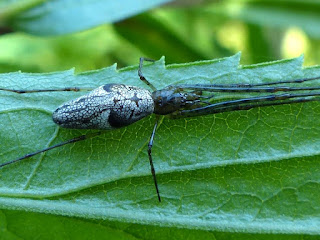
<point x="167" y="101"/>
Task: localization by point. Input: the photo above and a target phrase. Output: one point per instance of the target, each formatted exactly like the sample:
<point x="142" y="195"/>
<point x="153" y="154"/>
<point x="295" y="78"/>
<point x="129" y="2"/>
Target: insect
<point x="114" y="106"/>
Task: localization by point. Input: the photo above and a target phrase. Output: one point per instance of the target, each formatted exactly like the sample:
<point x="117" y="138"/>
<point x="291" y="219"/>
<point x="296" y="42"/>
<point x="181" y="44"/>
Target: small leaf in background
<point x="62" y="17"/>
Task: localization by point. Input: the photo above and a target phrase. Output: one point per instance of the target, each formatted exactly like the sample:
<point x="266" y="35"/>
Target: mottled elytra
<point x="106" y="107"/>
<point x="114" y="106"/>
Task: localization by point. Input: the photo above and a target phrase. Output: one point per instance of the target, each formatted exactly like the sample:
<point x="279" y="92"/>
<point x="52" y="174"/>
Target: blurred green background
<point x="45" y="36"/>
<point x="182" y="31"/>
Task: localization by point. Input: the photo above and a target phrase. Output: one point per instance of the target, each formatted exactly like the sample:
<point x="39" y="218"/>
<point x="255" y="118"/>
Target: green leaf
<point x="62" y="17"/>
<point x="16" y="225"/>
<point x="246" y="171"/>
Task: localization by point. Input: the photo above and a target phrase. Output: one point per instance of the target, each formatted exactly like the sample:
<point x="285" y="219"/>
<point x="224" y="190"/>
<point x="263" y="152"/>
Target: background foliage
<point x="44" y="36"/>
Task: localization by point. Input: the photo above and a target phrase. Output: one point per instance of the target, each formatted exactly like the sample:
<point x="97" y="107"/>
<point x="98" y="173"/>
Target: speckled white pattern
<point x="106" y="107"/>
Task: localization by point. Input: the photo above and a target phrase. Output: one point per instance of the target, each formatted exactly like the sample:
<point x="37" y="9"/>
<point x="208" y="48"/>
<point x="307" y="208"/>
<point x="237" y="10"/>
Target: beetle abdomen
<point x="106" y="107"/>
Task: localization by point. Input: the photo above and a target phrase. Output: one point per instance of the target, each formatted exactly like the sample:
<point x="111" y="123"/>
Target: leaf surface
<point x="246" y="171"/>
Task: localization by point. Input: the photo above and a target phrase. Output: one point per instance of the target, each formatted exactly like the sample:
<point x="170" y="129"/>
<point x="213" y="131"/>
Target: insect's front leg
<point x="153" y="172"/>
<point x="141" y="76"/>
<point x="73" y="140"/>
<point x="67" y="89"/>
